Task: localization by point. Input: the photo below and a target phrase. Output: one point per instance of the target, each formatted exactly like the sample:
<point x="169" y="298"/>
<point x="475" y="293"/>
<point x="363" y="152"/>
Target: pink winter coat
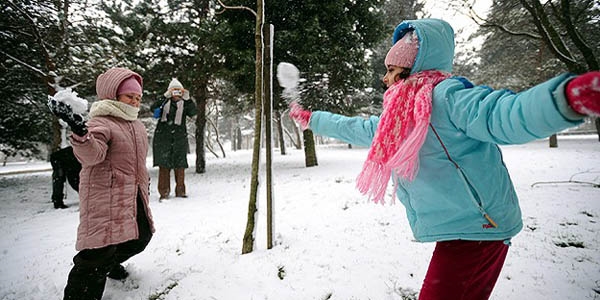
<point x="113" y="159"/>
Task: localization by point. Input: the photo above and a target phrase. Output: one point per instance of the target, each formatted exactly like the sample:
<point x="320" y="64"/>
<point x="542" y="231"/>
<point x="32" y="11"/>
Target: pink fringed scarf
<point x="400" y="134"/>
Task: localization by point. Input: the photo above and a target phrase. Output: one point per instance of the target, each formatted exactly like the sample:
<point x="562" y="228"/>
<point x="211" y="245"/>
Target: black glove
<point x="65" y="113"/>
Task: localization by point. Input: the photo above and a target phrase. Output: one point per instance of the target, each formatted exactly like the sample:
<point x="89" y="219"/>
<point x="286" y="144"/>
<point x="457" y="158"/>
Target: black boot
<point x="118" y="273"/>
<point x="85" y="284"/>
<point x="60" y="205"/>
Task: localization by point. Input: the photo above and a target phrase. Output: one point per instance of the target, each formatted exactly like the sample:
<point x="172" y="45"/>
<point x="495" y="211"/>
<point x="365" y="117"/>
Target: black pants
<point x="88" y="276"/>
<point x="65" y="167"/>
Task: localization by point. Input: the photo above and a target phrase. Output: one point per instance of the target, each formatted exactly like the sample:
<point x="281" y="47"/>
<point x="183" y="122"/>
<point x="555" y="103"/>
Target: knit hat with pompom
<point x="108" y="83"/>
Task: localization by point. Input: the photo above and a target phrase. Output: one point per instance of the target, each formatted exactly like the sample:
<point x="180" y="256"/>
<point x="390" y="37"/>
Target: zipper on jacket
<point x="472" y="193"/>
<point x="468" y="186"/>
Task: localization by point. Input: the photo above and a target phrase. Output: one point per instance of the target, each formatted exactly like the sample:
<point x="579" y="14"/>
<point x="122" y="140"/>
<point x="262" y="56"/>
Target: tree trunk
<point x="268" y="113"/>
<point x="298" y="140"/>
<point x="248" y="242"/>
<point x="280" y="132"/>
<point x="597" y="122"/>
<point x="232" y="134"/>
<point x="240" y="138"/>
<point x="310" y="153"/>
<point x="201" y="95"/>
<point x="553" y="141"/>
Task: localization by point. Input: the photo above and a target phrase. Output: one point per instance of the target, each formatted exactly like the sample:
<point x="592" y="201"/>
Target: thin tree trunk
<point x="240" y="138"/>
<point x="232" y="133"/>
<point x="597" y="122"/>
<point x="297" y="133"/>
<point x="268" y="113"/>
<point x="248" y="242"/>
<point x="201" y="96"/>
<point x="292" y="140"/>
<point x="280" y="132"/>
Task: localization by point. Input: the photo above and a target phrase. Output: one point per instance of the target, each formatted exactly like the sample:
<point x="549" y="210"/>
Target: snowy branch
<point x="28" y="66"/>
<point x="593" y="184"/>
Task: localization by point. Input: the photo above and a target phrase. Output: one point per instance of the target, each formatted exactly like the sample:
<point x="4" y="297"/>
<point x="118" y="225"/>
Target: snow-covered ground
<point x="330" y="243"/>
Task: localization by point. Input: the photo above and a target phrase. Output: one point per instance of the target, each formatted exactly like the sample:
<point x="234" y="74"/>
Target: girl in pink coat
<point x="115" y="221"/>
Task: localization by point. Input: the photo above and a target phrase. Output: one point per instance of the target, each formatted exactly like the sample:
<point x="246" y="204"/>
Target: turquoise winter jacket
<point x="454" y="190"/>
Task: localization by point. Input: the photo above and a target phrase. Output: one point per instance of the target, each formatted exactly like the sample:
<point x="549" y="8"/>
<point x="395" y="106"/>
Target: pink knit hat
<point x="108" y="83"/>
<point x="129" y="85"/>
<point x="404" y="52"/>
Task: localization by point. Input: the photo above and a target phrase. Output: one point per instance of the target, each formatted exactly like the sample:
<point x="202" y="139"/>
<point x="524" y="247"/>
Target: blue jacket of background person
<point x="453" y="190"/>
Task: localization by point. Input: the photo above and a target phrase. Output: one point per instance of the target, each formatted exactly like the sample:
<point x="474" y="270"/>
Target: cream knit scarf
<point x="400" y="133"/>
<point x="178" y="113"/>
<point x="115" y="109"/>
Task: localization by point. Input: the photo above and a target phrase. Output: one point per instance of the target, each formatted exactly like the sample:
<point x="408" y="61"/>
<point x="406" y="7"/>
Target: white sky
<point x="463" y="25"/>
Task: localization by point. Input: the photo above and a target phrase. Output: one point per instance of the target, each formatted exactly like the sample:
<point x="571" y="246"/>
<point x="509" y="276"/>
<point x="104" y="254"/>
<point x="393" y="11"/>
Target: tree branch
<point x="226" y="7"/>
<point x="549" y="35"/>
<point x="593" y="184"/>
<point x="26" y="65"/>
<point x="573" y="33"/>
<point x="485" y="23"/>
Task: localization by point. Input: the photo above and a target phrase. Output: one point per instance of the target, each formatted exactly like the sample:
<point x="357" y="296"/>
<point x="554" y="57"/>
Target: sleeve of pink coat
<point x="91" y="149"/>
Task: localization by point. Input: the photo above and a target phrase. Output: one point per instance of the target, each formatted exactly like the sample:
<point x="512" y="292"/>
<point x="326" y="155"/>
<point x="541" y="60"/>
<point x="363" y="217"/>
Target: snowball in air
<point x="287" y="75"/>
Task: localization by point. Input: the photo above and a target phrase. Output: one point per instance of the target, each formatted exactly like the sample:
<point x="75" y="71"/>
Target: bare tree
<point x="562" y="26"/>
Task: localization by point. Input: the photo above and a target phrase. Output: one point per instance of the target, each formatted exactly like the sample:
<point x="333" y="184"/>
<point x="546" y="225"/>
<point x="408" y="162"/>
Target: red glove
<point x="583" y="93"/>
<point x="300" y="115"/>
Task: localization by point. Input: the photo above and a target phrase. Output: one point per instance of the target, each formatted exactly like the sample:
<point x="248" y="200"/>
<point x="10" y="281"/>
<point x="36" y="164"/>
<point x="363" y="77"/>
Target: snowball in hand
<point x="287" y="75"/>
<point x="69" y="97"/>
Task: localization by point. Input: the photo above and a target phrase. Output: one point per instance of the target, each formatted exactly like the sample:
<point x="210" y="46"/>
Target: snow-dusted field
<point x="330" y="242"/>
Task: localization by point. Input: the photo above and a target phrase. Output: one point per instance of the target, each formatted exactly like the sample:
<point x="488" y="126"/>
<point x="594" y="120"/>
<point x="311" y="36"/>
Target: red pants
<point x="463" y="270"/>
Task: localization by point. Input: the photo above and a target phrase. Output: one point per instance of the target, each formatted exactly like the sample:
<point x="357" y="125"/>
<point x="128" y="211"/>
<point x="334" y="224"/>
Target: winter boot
<point x="164" y="182"/>
<point x="118" y="273"/>
<point x="59" y="205"/>
<point x="180" y="183"/>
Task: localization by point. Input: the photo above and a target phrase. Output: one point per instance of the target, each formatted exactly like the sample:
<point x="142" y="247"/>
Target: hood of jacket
<point x="436" y="43"/>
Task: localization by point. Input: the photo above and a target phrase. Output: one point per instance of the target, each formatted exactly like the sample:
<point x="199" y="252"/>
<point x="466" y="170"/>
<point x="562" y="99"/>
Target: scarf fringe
<point x="372" y="181"/>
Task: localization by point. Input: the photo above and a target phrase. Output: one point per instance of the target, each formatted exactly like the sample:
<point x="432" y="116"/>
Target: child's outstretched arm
<point x="504" y="117"/>
<point x="353" y="130"/>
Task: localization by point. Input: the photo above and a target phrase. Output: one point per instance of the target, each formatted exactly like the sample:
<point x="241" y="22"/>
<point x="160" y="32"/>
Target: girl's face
<point x="394" y="74"/>
<point x="132" y="99"/>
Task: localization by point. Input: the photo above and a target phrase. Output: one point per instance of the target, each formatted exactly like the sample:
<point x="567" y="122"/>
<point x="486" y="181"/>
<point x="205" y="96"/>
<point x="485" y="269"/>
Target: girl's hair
<point x="402" y="75"/>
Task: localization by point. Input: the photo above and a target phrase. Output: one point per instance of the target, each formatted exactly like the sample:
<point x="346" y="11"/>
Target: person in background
<point x="65" y="167"/>
<point x="438" y="137"/>
<point x="115" y="221"/>
<point x="170" y="143"/>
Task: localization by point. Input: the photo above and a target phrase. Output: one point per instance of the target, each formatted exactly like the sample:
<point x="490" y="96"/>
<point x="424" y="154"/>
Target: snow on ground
<point x="330" y="243"/>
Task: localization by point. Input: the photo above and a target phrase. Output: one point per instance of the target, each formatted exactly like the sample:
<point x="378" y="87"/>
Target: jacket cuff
<point x="562" y="103"/>
<point x="80" y="139"/>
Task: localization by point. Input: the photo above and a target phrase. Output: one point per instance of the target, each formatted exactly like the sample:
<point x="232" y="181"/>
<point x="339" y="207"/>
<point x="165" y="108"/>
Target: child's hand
<point x="583" y="93"/>
<point x="300" y="115"/>
<point x="65" y="112"/>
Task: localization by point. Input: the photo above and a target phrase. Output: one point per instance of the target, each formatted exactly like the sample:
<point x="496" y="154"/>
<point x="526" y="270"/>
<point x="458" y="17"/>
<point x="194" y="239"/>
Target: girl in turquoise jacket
<point x="437" y="139"/>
